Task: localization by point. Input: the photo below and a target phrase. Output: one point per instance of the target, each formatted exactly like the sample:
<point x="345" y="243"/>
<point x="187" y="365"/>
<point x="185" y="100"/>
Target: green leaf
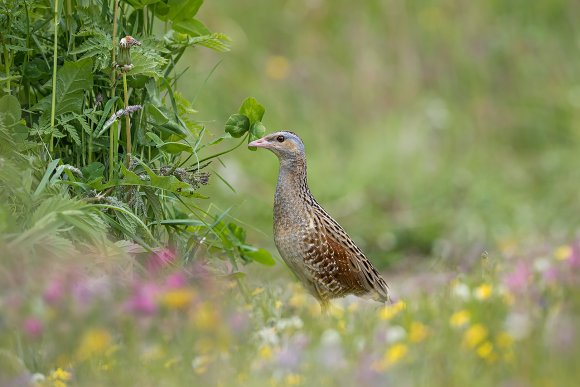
<point x="252" y="109"/>
<point x="175" y="147"/>
<point x="237" y="125"/>
<point x="73" y="79"/>
<point x="10" y="111"/>
<point x="157" y="116"/>
<point x="93" y="171"/>
<point x="257" y="131"/>
<point x="259" y="255"/>
<point x="177" y="10"/>
<point x="191" y="27"/>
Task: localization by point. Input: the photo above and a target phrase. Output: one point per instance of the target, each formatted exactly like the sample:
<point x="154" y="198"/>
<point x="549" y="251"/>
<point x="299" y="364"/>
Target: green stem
<point x="54" y="63"/>
<point x="224" y="152"/>
<point x="7" y="66"/>
<point x="127" y="119"/>
<point x="113" y="131"/>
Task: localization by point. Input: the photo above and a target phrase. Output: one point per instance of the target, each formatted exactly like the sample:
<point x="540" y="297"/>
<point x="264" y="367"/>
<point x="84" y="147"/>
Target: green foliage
<point x="247" y="120"/>
<point x="74" y="181"/>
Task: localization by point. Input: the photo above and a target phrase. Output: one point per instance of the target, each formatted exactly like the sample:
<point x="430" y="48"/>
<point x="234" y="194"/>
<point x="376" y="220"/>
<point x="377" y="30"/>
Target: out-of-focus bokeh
<point x="433" y="129"/>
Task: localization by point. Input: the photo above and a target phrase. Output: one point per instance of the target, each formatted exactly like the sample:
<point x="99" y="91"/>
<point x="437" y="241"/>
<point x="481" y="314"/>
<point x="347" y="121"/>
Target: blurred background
<point x="433" y="129"/>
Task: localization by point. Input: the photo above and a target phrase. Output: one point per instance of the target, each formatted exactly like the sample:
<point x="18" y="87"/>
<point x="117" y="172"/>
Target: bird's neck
<point x="292" y="181"/>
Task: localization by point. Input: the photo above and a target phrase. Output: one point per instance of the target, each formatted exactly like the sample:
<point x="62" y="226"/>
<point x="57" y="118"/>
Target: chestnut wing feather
<point x="337" y="263"/>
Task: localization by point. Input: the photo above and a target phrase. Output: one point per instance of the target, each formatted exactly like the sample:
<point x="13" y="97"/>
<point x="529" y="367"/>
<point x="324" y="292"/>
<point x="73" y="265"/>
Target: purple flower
<point x="574" y="260"/>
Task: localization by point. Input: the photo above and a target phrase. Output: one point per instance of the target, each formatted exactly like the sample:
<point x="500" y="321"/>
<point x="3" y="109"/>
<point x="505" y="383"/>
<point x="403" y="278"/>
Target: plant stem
<point x="54" y="63"/>
<point x="7" y="67"/>
<point x="113" y="131"/>
<point x="127" y="119"/>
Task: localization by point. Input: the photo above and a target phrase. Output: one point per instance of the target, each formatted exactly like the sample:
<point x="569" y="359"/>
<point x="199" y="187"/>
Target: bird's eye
<point x="280" y="138"/>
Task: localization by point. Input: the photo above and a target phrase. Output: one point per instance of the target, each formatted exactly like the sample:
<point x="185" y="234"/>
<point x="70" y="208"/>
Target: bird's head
<point x="286" y="145"/>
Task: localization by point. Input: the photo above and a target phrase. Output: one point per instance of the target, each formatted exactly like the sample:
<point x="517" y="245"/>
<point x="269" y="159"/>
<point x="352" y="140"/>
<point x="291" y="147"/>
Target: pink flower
<point x="54" y="292"/>
<point x="574" y="260"/>
<point x="144" y="299"/>
<point x="160" y="259"/>
<point x="33" y="327"/>
<point x="175" y="281"/>
<point x="517" y="281"/>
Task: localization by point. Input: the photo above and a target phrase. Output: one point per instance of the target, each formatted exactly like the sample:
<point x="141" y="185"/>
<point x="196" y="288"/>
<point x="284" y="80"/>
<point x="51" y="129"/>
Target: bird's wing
<point x="340" y="262"/>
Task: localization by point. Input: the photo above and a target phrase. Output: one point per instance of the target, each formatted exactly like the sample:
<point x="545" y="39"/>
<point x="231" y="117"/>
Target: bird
<point x="312" y="244"/>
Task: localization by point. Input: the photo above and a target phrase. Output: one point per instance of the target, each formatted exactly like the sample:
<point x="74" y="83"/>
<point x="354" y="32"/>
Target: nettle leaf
<point x="147" y="63"/>
<point x="72" y="80"/>
<point x="252" y="109"/>
<point x="257" y="131"/>
<point x="237" y="125"/>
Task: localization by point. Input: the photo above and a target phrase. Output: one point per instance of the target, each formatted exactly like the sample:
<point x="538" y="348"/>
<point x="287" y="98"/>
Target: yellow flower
<point x="474" y="336"/>
<point x="95" y="342"/>
<point x="460" y="318"/>
<point x="60" y="374"/>
<point x="389" y="311"/>
<point x="293" y="380"/>
<point x="278" y="305"/>
<point x="396" y="353"/>
<point x="504" y="340"/>
<point x="562" y="253"/>
<point x="266" y="352"/>
<point x="58" y="383"/>
<point x="418" y="332"/>
<point x="177" y="298"/>
<point x="485" y="351"/>
<point x="483" y="292"/>
<point x="277" y="67"/>
<point x="297" y="300"/>
<point x="205" y="316"/>
<point x="257" y="291"/>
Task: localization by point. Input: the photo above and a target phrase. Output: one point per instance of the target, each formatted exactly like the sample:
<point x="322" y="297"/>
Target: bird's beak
<point x="261" y="143"/>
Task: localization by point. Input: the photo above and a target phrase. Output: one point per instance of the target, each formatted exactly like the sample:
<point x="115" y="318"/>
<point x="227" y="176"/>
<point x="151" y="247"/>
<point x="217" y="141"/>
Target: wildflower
<point x="504" y="340"/>
<point x="265" y="352"/>
<point x="33" y="326"/>
<point x="396" y="333"/>
<point x="563" y="253"/>
<point x="474" y="336"/>
<point x="292" y="380"/>
<point x="94" y="343"/>
<point x="297" y="300"/>
<point x="396" y="353"/>
<point x="460" y="290"/>
<point x="177" y="298"/>
<point x="417" y="332"/>
<point x="483" y="292"/>
<point x="485" y="351"/>
<point x="257" y="291"/>
<point x="160" y="259"/>
<point x="460" y="318"/>
<point x="389" y="311"/>
<point x="517" y="281"/>
<point x="143" y="300"/>
<point x="54" y="292"/>
<point x="205" y="317"/>
<point x="60" y="374"/>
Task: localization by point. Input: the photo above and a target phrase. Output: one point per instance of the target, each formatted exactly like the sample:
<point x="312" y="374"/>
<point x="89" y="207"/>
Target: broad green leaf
<point x="191" y="27"/>
<point x="155" y="138"/>
<point x="177" y="10"/>
<point x="252" y="109"/>
<point x="237" y="125"/>
<point x="259" y="255"/>
<point x="237" y="231"/>
<point x="73" y="79"/>
<point x="257" y="131"/>
<point x="157" y="116"/>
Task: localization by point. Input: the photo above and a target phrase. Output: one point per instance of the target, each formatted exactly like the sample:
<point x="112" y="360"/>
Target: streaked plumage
<point x="313" y="245"/>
